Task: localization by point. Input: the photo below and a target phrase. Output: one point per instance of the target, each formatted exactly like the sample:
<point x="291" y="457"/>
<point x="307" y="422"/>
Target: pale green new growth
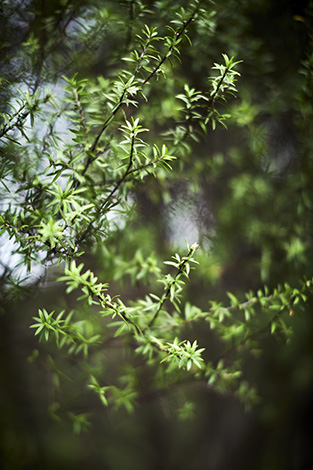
<point x="80" y="195"/>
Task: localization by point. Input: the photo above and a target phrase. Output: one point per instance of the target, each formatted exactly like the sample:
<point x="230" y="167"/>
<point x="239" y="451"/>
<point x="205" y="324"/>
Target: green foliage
<point x="76" y="163"/>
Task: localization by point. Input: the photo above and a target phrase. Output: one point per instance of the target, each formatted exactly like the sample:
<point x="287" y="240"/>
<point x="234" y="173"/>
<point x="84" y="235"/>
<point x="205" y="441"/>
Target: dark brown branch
<point x="166" y="296"/>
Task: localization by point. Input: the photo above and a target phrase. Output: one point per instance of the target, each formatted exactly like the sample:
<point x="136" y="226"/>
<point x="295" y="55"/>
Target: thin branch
<point x="167" y="54"/>
<point x="152" y="74"/>
<point x="167" y="294"/>
<point x="114" y="189"/>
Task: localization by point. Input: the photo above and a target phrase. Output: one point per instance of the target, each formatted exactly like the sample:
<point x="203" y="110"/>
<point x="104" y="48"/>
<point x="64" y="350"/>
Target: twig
<point x="166" y="296"/>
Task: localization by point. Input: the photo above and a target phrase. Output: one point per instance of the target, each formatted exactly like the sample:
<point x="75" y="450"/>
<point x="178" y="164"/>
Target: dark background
<point x="272" y="39"/>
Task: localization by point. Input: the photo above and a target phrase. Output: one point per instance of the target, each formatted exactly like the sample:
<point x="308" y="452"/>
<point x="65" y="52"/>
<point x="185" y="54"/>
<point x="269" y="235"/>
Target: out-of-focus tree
<point x="123" y="133"/>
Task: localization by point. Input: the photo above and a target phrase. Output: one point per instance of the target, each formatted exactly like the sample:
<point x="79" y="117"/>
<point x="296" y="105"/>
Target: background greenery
<point x="244" y="194"/>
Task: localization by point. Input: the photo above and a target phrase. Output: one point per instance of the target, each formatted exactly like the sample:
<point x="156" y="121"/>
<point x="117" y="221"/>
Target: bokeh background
<point x="244" y="194"/>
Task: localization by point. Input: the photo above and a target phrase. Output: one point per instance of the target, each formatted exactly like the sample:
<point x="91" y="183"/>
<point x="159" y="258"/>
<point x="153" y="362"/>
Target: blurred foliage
<point x="113" y="151"/>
